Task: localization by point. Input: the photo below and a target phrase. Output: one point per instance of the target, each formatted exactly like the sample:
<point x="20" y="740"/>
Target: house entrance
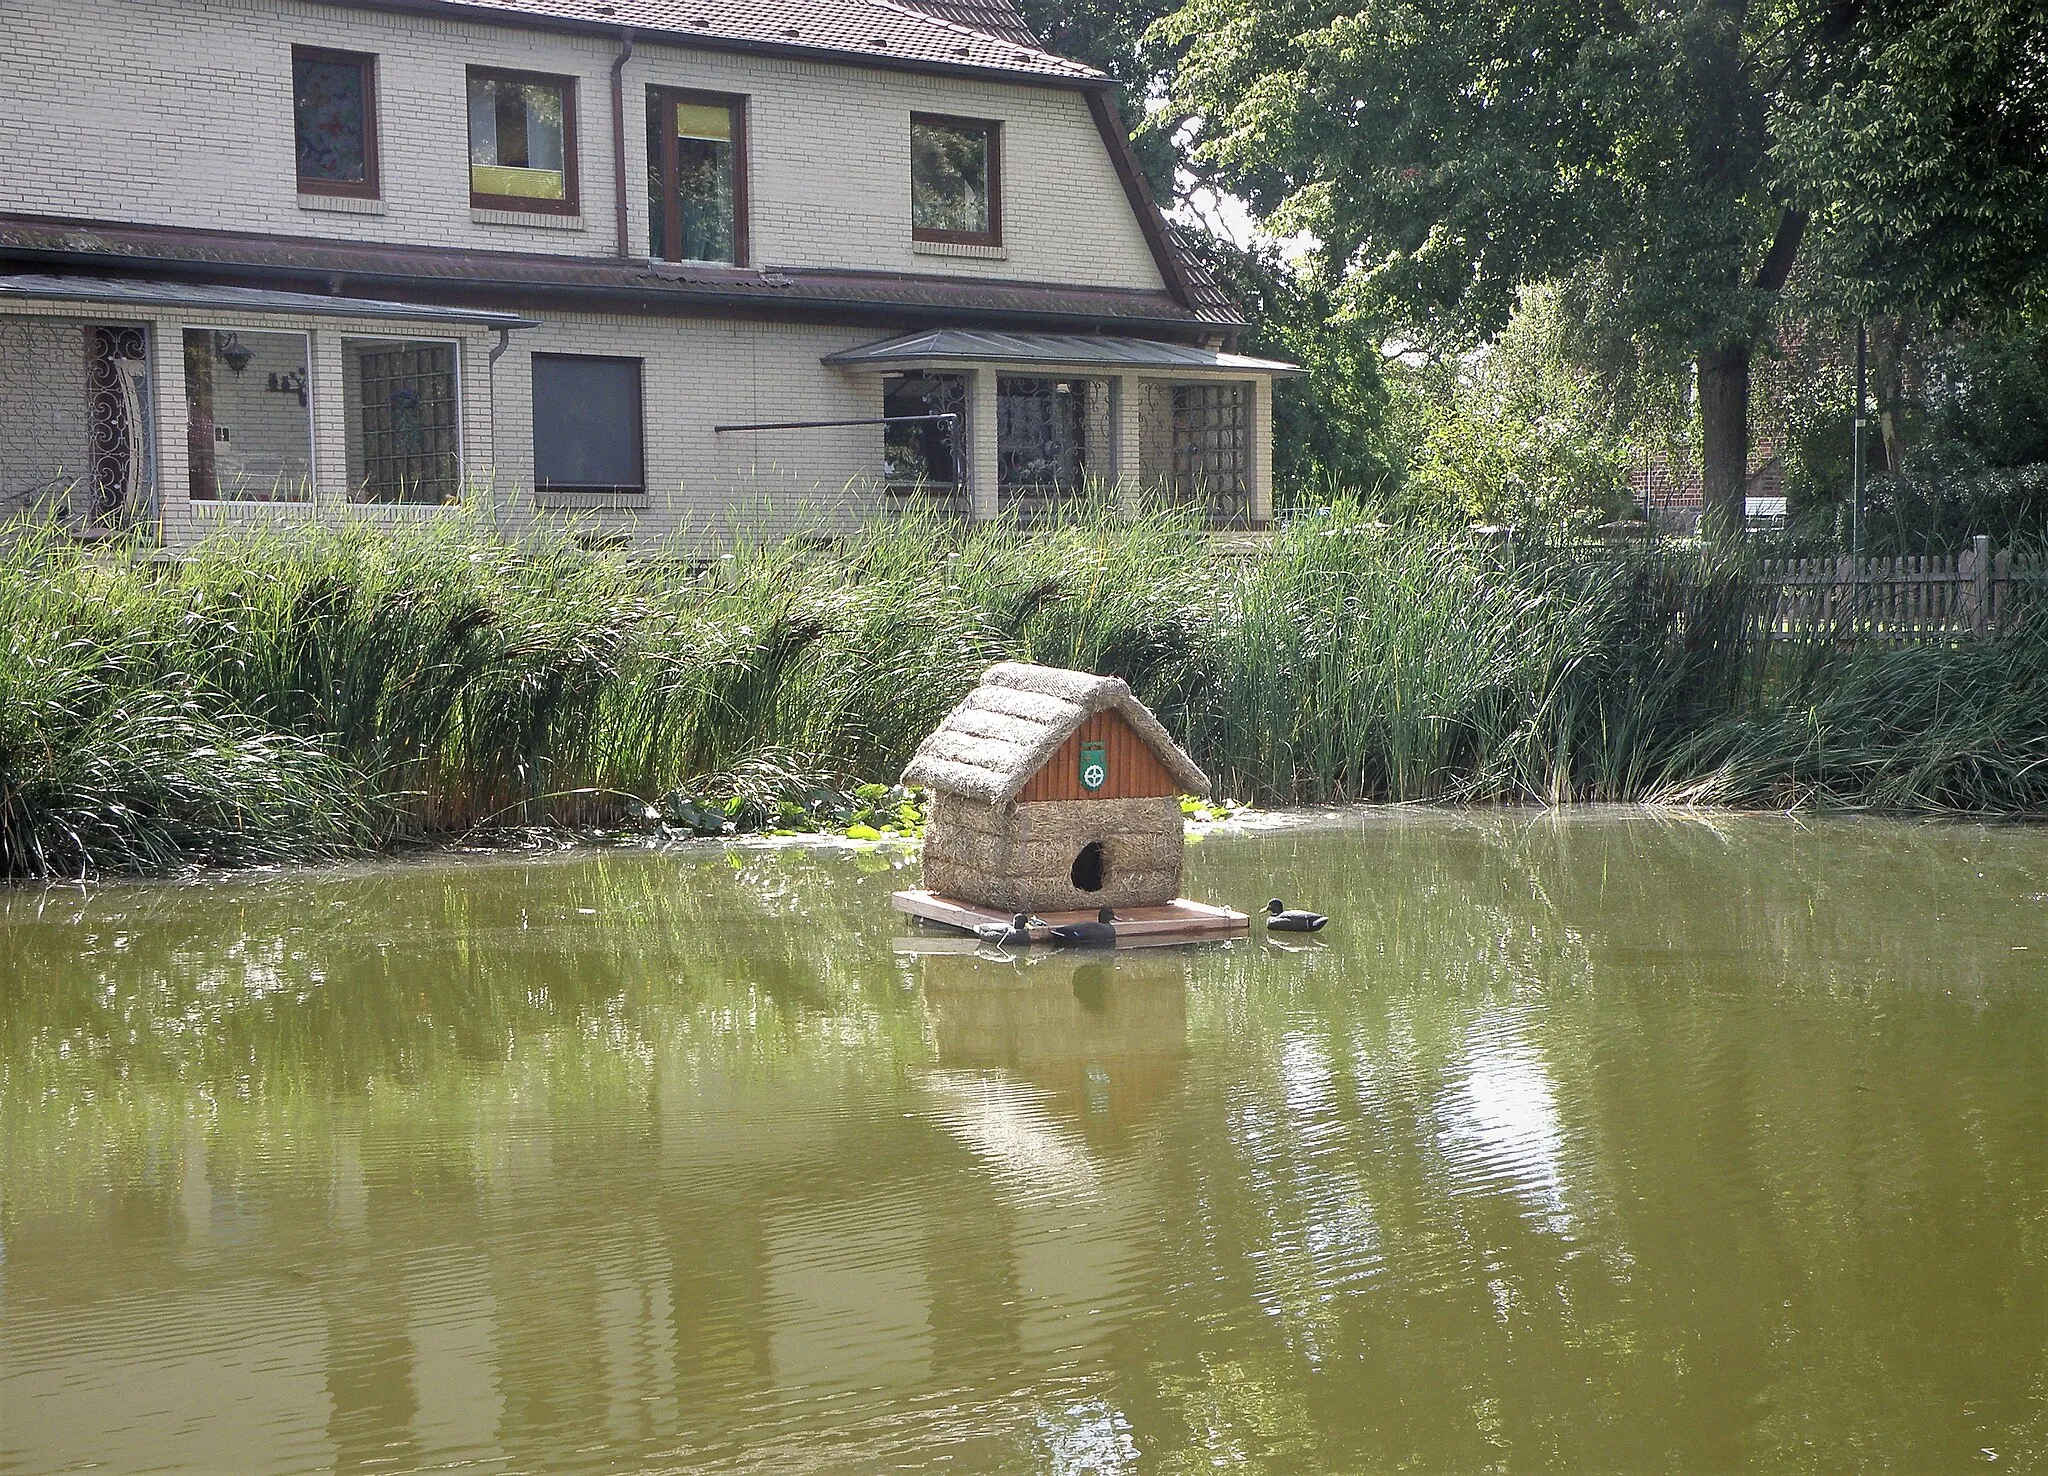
<point x="1091" y="867"/>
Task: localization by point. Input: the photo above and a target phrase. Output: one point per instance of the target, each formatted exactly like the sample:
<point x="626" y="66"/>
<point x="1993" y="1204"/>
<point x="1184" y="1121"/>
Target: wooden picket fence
<point x="1979" y="593"/>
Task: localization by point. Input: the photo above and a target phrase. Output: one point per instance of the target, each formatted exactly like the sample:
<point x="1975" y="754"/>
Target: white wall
<point x="179" y="112"/>
<point x="45" y="427"/>
<point x="702" y="486"/>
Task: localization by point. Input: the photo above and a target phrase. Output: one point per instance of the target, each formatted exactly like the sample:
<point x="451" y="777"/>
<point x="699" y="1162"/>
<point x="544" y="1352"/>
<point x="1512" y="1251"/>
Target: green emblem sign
<point x="1094" y="766"/>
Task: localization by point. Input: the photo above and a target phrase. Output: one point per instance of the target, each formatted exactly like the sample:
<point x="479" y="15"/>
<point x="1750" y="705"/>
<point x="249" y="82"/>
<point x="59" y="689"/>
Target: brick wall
<point x="45" y="435"/>
<point x="703" y="486"/>
<point x="179" y="112"/>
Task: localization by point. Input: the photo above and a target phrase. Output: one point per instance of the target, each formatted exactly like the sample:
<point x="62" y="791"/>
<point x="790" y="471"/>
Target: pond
<point x="1595" y="1141"/>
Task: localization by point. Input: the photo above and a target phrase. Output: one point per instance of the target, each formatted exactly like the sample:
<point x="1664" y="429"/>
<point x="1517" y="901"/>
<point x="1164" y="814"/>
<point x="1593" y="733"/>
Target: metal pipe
<point x="769" y="425"/>
<point x="619" y="139"/>
<point x="1856" y="466"/>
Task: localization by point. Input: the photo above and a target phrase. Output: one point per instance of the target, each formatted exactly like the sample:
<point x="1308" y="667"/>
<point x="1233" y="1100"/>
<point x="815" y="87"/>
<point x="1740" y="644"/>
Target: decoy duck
<point x="1102" y="930"/>
<point x="1016" y="933"/>
<point x="1280" y="918"/>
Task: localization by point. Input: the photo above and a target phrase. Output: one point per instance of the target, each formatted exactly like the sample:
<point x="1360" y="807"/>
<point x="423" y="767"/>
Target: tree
<point x="1515" y="433"/>
<point x="1330" y="426"/>
<point x="1662" y="161"/>
<point x="1114" y="36"/>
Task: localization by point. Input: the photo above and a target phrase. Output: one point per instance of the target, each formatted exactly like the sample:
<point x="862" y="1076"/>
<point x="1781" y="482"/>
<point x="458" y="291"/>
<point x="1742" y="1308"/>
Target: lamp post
<point x="1856" y="468"/>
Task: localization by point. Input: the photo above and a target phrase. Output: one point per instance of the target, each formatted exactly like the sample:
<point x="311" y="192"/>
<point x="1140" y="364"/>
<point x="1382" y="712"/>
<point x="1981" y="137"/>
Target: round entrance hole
<point x="1091" y="867"/>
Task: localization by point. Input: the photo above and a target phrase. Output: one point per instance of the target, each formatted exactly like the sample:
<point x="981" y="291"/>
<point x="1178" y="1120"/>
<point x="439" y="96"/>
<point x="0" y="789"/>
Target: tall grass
<point x="314" y="691"/>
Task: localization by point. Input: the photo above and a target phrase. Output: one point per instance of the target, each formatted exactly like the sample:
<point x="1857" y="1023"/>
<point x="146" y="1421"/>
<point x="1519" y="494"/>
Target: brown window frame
<point x="371" y="186"/>
<point x="993" y="236"/>
<point x="571" y="202"/>
<point x="672" y="206"/>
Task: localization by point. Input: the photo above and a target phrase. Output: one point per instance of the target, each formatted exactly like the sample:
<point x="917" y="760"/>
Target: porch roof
<point x="119" y="292"/>
<point x="1063" y="350"/>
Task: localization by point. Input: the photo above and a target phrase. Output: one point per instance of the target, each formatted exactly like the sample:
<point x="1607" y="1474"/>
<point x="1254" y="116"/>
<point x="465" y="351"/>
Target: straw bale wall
<point x="1020" y="857"/>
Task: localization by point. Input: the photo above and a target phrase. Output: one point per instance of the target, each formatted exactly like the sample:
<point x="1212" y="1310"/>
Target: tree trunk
<point x="1888" y="386"/>
<point x="1724" y="439"/>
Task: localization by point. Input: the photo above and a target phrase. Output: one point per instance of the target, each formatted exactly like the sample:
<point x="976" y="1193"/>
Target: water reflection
<point x="1601" y="1143"/>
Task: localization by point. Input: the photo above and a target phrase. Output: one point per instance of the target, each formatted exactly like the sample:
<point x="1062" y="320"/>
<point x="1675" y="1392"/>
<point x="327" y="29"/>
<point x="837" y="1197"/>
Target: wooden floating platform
<point x="1178" y="921"/>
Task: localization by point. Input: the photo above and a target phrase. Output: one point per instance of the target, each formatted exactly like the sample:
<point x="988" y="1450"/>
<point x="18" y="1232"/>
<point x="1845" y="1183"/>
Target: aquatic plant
<point x="315" y="690"/>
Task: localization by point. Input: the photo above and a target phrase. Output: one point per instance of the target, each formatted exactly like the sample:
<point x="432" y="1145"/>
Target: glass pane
<point x="704" y="177"/>
<point x="657" y="184"/>
<point x="249" y="426"/>
<point x="330" y="111"/>
<point x="1043" y="431"/>
<point x="948" y="178"/>
<point x="704" y="120"/>
<point x="924" y="452"/>
<point x="516" y="138"/>
<point x="586" y="423"/>
<point x="401" y="405"/>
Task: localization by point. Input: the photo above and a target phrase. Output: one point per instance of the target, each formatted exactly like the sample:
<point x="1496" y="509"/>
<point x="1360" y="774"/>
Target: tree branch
<point x="1777" y="266"/>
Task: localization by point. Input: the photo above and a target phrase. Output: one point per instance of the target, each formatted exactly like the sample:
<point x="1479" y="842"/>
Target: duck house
<point x="1056" y="791"/>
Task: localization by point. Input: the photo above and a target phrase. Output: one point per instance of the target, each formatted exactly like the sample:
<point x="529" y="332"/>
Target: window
<point x="1051" y="435"/>
<point x="1194" y="444"/>
<point x="696" y="176"/>
<point x="402" y="410"/>
<point x="587" y="425"/>
<point x="920" y="453"/>
<point x="248" y="421"/>
<point x="334" y="121"/>
<point x="522" y="142"/>
<point x="955" y="181"/>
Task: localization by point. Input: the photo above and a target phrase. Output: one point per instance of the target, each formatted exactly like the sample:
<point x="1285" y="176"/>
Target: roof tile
<point x="972" y="34"/>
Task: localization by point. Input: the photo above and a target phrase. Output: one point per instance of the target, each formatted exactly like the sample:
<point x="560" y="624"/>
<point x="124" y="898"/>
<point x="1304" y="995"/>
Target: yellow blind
<point x="704" y="120"/>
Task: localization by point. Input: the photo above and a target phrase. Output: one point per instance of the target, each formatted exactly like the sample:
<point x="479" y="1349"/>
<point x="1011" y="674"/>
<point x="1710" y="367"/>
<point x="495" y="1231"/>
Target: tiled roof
<point x="1205" y="294"/>
<point x="947" y="35"/>
<point x="441" y="274"/>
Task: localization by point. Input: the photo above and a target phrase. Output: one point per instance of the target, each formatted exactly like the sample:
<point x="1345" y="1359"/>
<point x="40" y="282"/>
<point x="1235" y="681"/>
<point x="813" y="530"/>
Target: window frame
<point x="639" y="362"/>
<point x="371" y="186"/>
<point x="735" y="103"/>
<point x="353" y="489"/>
<point x="214" y="498"/>
<point x="992" y="129"/>
<point x="571" y="202"/>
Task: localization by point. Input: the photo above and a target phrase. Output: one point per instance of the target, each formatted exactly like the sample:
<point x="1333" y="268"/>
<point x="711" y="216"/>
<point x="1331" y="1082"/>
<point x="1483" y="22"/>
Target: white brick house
<point x="659" y="264"/>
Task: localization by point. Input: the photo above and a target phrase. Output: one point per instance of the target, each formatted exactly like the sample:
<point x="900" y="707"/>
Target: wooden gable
<point x="1134" y="770"/>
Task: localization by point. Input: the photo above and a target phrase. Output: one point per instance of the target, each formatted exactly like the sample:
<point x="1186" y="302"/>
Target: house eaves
<point x="532" y="280"/>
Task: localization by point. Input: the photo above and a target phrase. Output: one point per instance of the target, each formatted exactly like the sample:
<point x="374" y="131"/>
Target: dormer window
<point x="696" y="176"/>
<point x="955" y="180"/>
<point x="334" y="122"/>
<point x="522" y="142"/>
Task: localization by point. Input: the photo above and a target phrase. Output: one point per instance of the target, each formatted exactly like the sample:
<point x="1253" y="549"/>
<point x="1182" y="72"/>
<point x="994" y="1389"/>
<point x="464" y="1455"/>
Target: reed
<point x="314" y="691"/>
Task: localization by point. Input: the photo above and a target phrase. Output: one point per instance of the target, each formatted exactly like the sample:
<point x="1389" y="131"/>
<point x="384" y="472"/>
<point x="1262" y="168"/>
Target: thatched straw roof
<point x="1015" y="721"/>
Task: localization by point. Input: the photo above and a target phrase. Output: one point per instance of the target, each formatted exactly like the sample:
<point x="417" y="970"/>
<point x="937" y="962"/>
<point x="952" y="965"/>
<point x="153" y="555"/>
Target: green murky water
<point x="1609" y="1142"/>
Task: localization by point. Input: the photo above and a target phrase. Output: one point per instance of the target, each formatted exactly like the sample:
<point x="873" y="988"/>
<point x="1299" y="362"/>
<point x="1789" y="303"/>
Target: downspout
<point x="619" y="139"/>
<point x="491" y="385"/>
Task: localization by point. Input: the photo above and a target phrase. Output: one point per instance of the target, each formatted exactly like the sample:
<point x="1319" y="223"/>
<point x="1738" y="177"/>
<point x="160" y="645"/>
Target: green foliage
<point x="1916" y="143"/>
<point x="1516" y="434"/>
<point x="323" y="691"/>
<point x="1666" y="164"/>
<point x="1333" y="428"/>
<point x="1962" y="413"/>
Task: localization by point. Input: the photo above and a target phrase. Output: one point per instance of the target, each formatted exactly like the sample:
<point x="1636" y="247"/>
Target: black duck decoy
<point x="1016" y="933"/>
<point x="1097" y="933"/>
<point x="1280" y="918"/>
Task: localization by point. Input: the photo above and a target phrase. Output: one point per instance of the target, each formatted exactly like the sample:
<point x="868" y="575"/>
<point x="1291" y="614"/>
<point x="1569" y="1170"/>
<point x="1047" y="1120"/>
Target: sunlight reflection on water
<point x="1597" y="1141"/>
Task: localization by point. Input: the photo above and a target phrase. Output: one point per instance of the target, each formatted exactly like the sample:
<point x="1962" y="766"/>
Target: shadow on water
<point x="1606" y="1141"/>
